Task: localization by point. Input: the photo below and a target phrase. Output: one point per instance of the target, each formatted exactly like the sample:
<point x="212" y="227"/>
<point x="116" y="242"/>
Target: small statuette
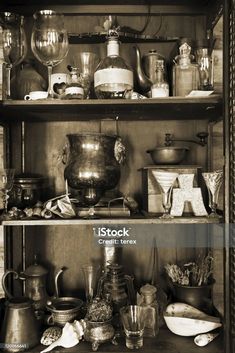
<point x="205" y="338"/>
<point x="186" y="192"/>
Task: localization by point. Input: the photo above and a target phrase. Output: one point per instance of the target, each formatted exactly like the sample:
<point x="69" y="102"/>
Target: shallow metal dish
<point x="168" y="155"/>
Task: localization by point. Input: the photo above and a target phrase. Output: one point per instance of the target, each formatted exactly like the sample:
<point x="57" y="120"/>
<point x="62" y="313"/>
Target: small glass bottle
<point x="149" y="301"/>
<point x="160" y="88"/>
<point x="74" y="88"/>
<point x="185" y="73"/>
<point x="205" y="64"/>
<point x="113" y="78"/>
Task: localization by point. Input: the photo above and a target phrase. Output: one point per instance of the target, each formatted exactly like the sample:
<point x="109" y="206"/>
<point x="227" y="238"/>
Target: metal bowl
<point x="168" y="155"/>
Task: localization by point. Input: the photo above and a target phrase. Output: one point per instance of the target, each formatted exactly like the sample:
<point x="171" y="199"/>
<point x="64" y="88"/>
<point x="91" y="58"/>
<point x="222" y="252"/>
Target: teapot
<point x="146" y="68"/>
<point x="118" y="285"/>
<point x="35" y="284"/>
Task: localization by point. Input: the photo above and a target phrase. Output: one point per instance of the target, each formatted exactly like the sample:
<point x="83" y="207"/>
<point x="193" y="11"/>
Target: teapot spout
<point x="143" y="81"/>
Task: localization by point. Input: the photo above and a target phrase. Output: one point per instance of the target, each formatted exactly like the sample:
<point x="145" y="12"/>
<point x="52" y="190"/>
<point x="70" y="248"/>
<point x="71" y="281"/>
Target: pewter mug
<point x="20" y="329"/>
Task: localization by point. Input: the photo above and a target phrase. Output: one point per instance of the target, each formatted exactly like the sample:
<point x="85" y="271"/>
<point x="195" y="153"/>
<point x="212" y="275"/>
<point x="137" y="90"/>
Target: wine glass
<point x="6" y="184"/>
<point x="49" y="41"/>
<point x="14" y="44"/>
<point x="213" y="182"/>
<point x="166" y="181"/>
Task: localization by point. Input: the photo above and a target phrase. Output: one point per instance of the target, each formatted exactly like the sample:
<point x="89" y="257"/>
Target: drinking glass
<point x="14" y="44"/>
<point x="87" y="63"/>
<point x="90" y="273"/>
<point x="213" y="182"/>
<point x="6" y="184"/>
<point x="166" y="181"/>
<point x="49" y="41"/>
<point x="133" y="319"/>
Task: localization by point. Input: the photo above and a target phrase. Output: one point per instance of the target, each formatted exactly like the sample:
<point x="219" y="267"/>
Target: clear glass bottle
<point x="113" y="77"/>
<point x="160" y="88"/>
<point x="149" y="301"/>
<point x="74" y="88"/>
<point x="205" y="64"/>
<point x="185" y="73"/>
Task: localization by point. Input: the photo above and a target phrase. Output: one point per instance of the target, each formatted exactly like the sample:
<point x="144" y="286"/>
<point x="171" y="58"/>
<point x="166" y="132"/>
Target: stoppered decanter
<point x="113" y="78"/>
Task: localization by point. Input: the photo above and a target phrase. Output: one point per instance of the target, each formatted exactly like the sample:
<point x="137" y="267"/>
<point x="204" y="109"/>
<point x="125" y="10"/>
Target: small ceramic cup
<point x="34" y="95"/>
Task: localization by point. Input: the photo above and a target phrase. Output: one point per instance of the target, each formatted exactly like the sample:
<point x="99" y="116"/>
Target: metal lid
<point x="26" y="178"/>
<point x="35" y="269"/>
<point x="148" y="289"/>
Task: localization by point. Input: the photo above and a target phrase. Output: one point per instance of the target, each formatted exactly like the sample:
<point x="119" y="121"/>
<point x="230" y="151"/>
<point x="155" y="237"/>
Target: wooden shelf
<point x="170" y="108"/>
<point x="165" y="342"/>
<point x="110" y="221"/>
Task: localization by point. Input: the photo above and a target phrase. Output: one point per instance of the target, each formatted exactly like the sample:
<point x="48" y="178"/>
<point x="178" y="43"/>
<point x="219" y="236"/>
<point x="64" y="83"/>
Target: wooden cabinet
<point x="36" y="134"/>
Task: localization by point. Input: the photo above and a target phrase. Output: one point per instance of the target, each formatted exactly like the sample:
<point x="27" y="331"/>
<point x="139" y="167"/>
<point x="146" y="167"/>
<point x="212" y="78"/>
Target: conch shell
<point x="71" y="334"/>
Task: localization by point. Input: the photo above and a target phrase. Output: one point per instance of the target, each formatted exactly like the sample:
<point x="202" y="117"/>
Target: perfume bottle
<point x="74" y="88"/>
<point x="149" y="301"/>
<point x="160" y="88"/>
<point x="185" y="73"/>
<point x="113" y="78"/>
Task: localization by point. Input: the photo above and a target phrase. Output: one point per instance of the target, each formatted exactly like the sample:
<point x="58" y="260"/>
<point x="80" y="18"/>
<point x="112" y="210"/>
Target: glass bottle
<point x="205" y="64"/>
<point x="160" y="88"/>
<point x="149" y="301"/>
<point x="113" y="77"/>
<point x="74" y="88"/>
<point x="185" y="73"/>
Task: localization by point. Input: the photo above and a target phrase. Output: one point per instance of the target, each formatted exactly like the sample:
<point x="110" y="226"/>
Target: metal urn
<point x="93" y="164"/>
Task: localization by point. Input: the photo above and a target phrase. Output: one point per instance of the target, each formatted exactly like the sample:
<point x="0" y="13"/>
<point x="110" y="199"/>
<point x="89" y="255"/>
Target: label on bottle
<point x="74" y="90"/>
<point x="113" y="75"/>
<point x="159" y="92"/>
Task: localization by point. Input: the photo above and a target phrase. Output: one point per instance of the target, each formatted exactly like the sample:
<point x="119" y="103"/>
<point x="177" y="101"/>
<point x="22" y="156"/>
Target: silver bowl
<point x="168" y="155"/>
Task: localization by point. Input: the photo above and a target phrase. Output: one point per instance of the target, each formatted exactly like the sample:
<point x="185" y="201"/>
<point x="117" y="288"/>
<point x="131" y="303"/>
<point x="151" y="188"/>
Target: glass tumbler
<point x="90" y="273"/>
<point x="133" y="319"/>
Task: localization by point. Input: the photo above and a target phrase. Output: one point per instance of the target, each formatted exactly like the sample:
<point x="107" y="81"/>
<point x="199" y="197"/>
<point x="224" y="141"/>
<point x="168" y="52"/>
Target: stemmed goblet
<point x="213" y="182"/>
<point x="49" y="41"/>
<point x="166" y="181"/>
<point x="14" y="44"/>
<point x="6" y="184"/>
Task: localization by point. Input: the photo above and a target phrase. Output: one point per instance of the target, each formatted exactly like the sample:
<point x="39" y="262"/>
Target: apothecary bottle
<point x="185" y="72"/>
<point x="149" y="301"/>
<point x="74" y="88"/>
<point x="113" y="78"/>
<point x="160" y="88"/>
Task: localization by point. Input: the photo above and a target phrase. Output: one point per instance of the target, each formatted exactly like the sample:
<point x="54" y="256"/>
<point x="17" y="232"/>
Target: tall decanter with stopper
<point x="113" y="77"/>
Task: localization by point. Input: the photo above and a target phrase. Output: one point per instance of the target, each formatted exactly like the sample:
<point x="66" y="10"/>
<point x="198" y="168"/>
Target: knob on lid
<point x="35" y="269"/>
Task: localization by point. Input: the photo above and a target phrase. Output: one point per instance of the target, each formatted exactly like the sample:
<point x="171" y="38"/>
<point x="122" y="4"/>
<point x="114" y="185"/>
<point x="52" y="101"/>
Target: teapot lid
<point x="153" y="52"/>
<point x="35" y="269"/>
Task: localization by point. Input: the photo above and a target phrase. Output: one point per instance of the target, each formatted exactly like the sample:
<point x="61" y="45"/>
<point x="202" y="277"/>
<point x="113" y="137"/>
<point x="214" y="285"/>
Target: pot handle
<point x="119" y="151"/>
<point x="65" y="154"/>
<point x="50" y="320"/>
<point x="16" y="276"/>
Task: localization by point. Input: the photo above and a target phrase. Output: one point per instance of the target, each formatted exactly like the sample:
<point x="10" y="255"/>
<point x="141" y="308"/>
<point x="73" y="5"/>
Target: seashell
<point x="185" y="320"/>
<point x="51" y="335"/>
<point x="205" y="338"/>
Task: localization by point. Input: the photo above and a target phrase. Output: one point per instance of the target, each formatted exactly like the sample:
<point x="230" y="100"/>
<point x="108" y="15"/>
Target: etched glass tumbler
<point x="213" y="182"/>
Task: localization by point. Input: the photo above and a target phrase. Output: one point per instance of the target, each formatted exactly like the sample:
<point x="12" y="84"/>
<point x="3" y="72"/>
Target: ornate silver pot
<point x="93" y="164"/>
